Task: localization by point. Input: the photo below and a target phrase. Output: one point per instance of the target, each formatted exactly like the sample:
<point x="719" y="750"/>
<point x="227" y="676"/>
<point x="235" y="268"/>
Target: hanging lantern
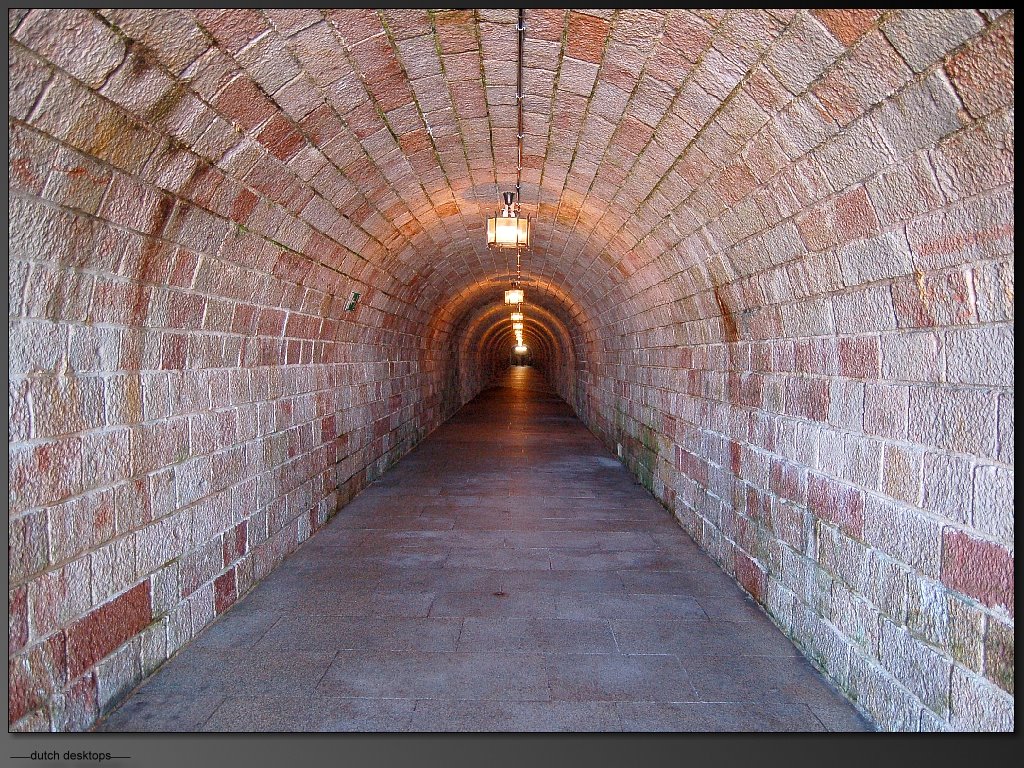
<point x="508" y="230"/>
<point x="520" y="349"/>
<point x="514" y="296"/>
<point x="517" y="317"/>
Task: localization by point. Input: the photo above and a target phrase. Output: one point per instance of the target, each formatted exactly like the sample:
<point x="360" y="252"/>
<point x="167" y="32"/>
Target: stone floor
<point x="507" y="575"/>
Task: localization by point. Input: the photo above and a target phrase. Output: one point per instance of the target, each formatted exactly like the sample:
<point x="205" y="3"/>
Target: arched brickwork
<point x="772" y="261"/>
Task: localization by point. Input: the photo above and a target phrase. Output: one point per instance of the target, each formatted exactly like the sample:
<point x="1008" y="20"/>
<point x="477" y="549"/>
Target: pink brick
<point x="235" y="543"/>
<point x="978" y="569"/>
<point x="846" y="25"/>
<point x="808" y="398"/>
<point x="982" y="73"/>
<point x="243" y="102"/>
<point x="103" y="630"/>
<point x="17" y="619"/>
<point x="750" y="576"/>
<point x="586" y="37"/>
<point x="225" y="591"/>
<point x="836" y="503"/>
<point x="859" y="357"/>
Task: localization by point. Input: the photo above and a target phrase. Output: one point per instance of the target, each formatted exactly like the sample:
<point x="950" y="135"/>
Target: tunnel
<point x="770" y="273"/>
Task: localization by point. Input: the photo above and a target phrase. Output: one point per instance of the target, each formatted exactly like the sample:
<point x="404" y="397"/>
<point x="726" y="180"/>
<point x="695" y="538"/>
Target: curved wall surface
<point x="772" y="261"/>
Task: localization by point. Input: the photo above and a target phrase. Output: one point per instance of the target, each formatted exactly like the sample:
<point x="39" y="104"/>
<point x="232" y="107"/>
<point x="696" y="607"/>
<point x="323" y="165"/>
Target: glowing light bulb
<point x="514" y="296"/>
<point x="517" y="317"/>
<point x="520" y="349"/>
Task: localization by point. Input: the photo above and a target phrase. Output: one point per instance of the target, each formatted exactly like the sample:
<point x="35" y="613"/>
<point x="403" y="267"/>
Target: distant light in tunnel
<point x="517" y="326"/>
<point x="514" y="296"/>
<point x="517" y="317"/>
<point x="520" y="349"/>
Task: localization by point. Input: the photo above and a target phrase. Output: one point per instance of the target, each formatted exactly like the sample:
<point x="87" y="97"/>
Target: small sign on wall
<point x="353" y="299"/>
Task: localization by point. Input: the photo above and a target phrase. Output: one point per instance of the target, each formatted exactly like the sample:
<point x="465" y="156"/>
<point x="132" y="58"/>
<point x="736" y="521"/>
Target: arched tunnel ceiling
<point x="391" y="133"/>
<point x="671" y="157"/>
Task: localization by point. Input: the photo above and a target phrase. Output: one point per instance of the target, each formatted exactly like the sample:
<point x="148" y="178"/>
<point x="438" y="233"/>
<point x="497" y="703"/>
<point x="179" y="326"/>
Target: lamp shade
<point x="514" y="296"/>
<point x="508" y="231"/>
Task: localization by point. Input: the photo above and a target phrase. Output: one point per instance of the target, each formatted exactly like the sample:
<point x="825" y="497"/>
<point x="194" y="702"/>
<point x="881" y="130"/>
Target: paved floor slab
<point x="507" y="575"/>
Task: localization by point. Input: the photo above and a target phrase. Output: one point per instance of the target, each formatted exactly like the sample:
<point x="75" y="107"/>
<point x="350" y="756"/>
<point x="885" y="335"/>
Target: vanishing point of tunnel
<point x="282" y="456"/>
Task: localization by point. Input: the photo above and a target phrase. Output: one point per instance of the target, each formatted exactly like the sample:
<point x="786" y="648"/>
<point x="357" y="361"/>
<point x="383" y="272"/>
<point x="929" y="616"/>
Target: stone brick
<point x="853" y="458"/>
<point x="977" y="705"/>
<point x="903" y="533"/>
<point x="75" y="40"/>
<point x="57" y="597"/>
<point x="887" y="586"/>
<point x="225" y="591"/>
<point x="893" y="707"/>
<point x="858" y="357"/>
<point x="865" y="261"/>
<point x="923" y="671"/>
<point x="947" y="486"/>
<point x="585" y="37"/>
<point x="17" y="619"/>
<point x="846" y="406"/>
<point x="923" y="37"/>
<point x="114" y="568"/>
<point x="846" y="218"/>
<point x="976" y="159"/>
<point x="999" y="654"/>
<point x="982" y="356"/>
<point x="961" y="420"/>
<point x="153" y="642"/>
<point x="856" y="618"/>
<point x="802" y="53"/>
<point x="76" y="709"/>
<point x="1004" y="450"/>
<point x="993" y="290"/>
<point x="28" y="78"/>
<point x="80" y="524"/>
<point x="118" y="674"/>
<point x="977" y="568"/>
<point x="966" y="231"/>
<point x="934" y="300"/>
<point x="863" y="311"/>
<point x="807" y="398"/>
<point x="28" y="536"/>
<point x="919" y="115"/>
<point x="847" y="25"/>
<point x="235" y="543"/>
<point x="844" y="558"/>
<point x="837" y="504"/>
<point x="35" y="675"/>
<point x="905" y="191"/>
<point x="885" y="410"/>
<point x="945" y="621"/>
<point x="103" y="630"/>
<point x="983" y="71"/>
<point x="993" y="502"/>
<point x="901" y="473"/>
<point x="911" y="357"/>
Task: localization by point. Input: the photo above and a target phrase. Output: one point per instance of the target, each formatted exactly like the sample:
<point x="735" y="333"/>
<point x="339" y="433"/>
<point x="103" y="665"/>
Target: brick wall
<point x="820" y="384"/>
<point x="189" y="398"/>
<point x="772" y="260"/>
